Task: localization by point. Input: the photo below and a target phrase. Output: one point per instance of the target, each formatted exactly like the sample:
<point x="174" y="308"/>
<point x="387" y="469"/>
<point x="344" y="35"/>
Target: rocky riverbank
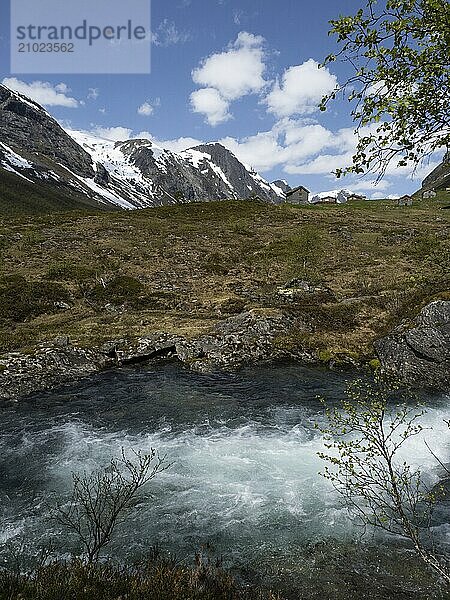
<point x="418" y="355"/>
<point x="243" y="339"/>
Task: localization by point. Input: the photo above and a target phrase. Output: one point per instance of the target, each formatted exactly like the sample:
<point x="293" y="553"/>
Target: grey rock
<point x="62" y="340"/>
<point x="298" y="288"/>
<point x="26" y="126"/>
<point x="439" y="178"/>
<point x="243" y="339"/>
<point x="101" y="175"/>
<point x="280" y="183"/>
<point x="48" y="367"/>
<point x="420" y="356"/>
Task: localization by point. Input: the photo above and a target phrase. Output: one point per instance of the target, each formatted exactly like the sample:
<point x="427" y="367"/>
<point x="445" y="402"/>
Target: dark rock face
<point x="282" y="185"/>
<point x="242" y="182"/>
<point x="102" y="175"/>
<point x="174" y="180"/>
<point x="421" y="355"/>
<point x="25" y="126"/>
<point x="439" y="178"/>
<point x="179" y="178"/>
<point x="130" y="174"/>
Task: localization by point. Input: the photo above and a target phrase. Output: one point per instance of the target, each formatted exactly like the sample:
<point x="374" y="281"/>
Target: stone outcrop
<point x="242" y="339"/>
<point x="420" y="355"/>
<point x="50" y="366"/>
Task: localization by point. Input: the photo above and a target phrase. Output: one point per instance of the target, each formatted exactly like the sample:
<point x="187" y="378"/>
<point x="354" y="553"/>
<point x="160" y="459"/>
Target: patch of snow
<point x="101" y="191"/>
<point x="98" y="189"/>
<point x="195" y="157"/>
<point x="220" y="173"/>
<point x="15" y="159"/>
<point x="124" y="175"/>
<point x="260" y="181"/>
<point x="11" y="170"/>
<point x="278" y="191"/>
<point x="48" y="175"/>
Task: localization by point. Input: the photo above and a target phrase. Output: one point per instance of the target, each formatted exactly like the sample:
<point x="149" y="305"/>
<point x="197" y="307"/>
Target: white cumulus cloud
<point x="179" y="144"/>
<point x="301" y="89"/>
<point x="210" y="103"/>
<point x="237" y="71"/>
<point x="289" y="143"/>
<point x="116" y="134"/>
<point x="43" y="92"/>
<point x="228" y="76"/>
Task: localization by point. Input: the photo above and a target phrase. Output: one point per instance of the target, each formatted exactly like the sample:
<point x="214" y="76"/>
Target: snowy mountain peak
<point x="134" y="173"/>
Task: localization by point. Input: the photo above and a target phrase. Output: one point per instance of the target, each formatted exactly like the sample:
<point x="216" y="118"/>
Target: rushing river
<point x="244" y="478"/>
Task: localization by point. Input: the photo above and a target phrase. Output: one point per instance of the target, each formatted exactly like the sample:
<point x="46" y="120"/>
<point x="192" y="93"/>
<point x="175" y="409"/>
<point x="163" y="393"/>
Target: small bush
<point x="69" y="272"/>
<point x="217" y="264"/>
<point x="21" y="299"/>
<point x="331" y="317"/>
<point x="120" y="290"/>
<point x="232" y="306"/>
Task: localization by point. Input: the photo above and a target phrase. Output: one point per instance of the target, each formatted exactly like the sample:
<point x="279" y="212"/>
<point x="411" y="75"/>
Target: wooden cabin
<point x="405" y="200"/>
<point x="298" y="195"/>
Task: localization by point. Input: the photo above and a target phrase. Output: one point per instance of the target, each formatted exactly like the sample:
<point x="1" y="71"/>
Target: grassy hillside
<point x="101" y="276"/>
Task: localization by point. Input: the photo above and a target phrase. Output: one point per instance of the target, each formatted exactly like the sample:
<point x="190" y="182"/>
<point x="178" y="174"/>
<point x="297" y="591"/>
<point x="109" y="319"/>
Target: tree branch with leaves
<point x="363" y="438"/>
<point x="399" y="55"/>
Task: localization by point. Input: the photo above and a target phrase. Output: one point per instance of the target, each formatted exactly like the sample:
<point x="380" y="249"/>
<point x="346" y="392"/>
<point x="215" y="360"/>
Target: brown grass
<point x="180" y="269"/>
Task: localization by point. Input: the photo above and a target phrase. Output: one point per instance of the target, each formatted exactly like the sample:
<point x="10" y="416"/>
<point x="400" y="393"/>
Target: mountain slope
<point x="439" y="178"/>
<point x="77" y="168"/>
<point x="28" y="129"/>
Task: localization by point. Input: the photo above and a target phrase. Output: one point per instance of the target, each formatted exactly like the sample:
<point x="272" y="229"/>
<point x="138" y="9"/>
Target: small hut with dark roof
<point x="298" y="195"/>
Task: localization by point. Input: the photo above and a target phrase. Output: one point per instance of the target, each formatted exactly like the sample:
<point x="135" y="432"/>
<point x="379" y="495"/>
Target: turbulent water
<point x="244" y="478"/>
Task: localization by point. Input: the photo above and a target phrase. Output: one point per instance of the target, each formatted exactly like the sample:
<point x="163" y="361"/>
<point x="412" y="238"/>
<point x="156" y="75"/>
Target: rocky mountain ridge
<point x="128" y="174"/>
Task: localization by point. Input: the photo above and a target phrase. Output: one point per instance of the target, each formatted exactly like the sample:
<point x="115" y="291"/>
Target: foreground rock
<point x="420" y="356"/>
<point x="48" y="367"/>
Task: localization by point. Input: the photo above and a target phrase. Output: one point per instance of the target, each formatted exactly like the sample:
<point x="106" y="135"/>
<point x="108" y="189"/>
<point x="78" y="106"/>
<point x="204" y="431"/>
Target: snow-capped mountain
<point x="130" y="174"/>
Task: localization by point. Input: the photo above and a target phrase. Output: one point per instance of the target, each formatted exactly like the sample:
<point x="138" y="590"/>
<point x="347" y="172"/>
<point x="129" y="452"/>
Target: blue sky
<point x="241" y="72"/>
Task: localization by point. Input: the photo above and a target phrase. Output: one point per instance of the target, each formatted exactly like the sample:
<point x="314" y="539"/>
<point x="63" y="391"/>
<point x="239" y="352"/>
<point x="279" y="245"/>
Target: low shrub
<point x="21" y="299"/>
<point x="69" y="272"/>
<point x="120" y="290"/>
